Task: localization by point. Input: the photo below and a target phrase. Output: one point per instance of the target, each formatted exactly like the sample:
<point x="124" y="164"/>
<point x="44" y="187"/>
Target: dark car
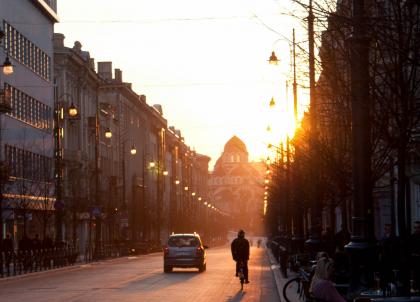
<point x="184" y="250"/>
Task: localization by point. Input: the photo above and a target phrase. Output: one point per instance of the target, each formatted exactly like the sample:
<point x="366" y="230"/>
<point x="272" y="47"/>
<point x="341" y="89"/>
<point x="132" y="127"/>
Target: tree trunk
<point x="401" y="185"/>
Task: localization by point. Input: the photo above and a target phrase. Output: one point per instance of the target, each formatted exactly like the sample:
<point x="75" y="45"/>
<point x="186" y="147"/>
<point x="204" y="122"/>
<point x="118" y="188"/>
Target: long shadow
<point x="160" y="280"/>
<point x="238" y="297"/>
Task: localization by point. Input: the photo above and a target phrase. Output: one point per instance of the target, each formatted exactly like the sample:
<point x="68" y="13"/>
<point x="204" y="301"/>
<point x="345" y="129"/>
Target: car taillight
<point x="166" y="250"/>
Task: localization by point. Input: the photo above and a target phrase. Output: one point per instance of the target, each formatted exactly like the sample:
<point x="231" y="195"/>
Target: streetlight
<point x="97" y="208"/>
<point x="72" y="111"/>
<point x="273" y="59"/>
<point x="59" y="116"/>
<point x="296" y="216"/>
<point x="7" y="67"/>
<point x="108" y="133"/>
<point x="133" y="150"/>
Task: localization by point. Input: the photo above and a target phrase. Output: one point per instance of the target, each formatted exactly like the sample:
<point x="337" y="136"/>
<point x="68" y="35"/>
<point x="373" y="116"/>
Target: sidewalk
<point x="280" y="280"/>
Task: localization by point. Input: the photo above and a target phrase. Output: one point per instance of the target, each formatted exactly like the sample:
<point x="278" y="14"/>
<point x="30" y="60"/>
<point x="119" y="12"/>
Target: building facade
<point x="27" y="97"/>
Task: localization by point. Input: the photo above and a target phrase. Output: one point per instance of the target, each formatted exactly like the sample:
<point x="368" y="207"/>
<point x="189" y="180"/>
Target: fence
<point x="22" y="262"/>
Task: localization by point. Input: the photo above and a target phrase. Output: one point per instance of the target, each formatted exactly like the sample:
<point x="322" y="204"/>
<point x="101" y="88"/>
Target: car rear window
<point x="183" y="241"/>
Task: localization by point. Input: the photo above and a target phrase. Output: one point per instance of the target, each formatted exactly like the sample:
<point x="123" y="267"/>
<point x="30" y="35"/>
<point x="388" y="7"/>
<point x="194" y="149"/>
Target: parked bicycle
<point x="297" y="289"/>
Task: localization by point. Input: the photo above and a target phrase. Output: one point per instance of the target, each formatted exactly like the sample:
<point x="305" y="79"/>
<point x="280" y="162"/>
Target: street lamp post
<point x="362" y="244"/>
<point x="59" y="116"/>
<point x="294" y="223"/>
<point x="133" y="151"/>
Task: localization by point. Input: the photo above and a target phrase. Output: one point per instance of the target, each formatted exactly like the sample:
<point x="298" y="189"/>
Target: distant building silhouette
<point x="237" y="185"/>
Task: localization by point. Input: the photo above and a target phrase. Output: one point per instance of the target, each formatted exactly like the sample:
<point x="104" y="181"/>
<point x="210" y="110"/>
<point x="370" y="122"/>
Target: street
<point x="141" y="278"/>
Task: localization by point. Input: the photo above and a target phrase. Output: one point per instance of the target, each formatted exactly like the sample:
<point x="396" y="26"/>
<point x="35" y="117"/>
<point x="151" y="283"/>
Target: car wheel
<point x="167" y="269"/>
<point x="202" y="268"/>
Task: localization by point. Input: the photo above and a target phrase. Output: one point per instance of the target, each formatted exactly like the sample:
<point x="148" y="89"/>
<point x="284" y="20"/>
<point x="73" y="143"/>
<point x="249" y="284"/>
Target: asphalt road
<point x="142" y="279"/>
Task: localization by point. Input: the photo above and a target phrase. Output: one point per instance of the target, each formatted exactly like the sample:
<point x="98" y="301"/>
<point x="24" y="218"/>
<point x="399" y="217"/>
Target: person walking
<point x="389" y="255"/>
<point x="240" y="253"/>
<point x="414" y="255"/>
<point x="8" y="251"/>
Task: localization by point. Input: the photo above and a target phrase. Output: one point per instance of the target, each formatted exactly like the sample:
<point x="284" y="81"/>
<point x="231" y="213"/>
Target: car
<point x="185" y="251"/>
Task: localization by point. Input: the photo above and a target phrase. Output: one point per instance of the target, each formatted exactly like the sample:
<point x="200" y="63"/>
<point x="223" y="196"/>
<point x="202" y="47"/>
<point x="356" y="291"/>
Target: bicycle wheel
<point x="293" y="290"/>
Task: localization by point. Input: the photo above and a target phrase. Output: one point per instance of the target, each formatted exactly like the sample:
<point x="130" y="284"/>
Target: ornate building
<point x="236" y="186"/>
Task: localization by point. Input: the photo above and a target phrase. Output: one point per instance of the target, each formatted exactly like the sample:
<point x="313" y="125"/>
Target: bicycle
<point x="241" y="274"/>
<point x="297" y="289"/>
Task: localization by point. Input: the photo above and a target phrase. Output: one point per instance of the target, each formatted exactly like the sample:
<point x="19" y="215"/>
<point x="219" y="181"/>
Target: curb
<point x="275" y="269"/>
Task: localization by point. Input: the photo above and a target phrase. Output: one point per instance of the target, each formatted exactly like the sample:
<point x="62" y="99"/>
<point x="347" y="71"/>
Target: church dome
<point x="235" y="145"/>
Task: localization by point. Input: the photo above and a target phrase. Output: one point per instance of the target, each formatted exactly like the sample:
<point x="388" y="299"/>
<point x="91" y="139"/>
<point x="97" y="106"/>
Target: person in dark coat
<point x="414" y="255"/>
<point x="36" y="243"/>
<point x="240" y="253"/>
<point x="389" y="254"/>
<point x="47" y="243"/>
<point x="8" y="244"/>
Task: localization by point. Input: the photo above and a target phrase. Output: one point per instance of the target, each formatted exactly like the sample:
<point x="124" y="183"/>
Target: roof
<point x="185" y="234"/>
<point x="235" y="144"/>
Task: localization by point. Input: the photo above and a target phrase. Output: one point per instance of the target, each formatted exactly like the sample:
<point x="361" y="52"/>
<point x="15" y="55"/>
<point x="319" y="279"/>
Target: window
<point x="24" y="51"/>
<point x="29" y="110"/>
<point x="28" y="165"/>
<point x="183" y="241"/>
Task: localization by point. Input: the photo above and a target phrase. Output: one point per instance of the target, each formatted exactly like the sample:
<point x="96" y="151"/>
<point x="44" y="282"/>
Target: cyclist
<point x="240" y="253"/>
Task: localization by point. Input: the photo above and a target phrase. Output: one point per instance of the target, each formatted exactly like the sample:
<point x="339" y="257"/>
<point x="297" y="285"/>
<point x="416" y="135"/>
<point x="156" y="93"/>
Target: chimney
<point x="118" y="75"/>
<point x="77" y="46"/>
<point x="172" y="128"/>
<point x="58" y="40"/>
<point x="105" y="70"/>
<point x="143" y="98"/>
<point x="158" y="108"/>
<point x="92" y="63"/>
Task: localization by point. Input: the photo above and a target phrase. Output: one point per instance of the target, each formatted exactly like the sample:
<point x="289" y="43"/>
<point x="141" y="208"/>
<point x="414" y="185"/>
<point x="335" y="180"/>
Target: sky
<point x="205" y="62"/>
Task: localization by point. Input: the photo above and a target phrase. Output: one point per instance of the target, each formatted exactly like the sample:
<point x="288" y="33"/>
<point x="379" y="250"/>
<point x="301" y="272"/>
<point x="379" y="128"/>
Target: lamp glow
<point x="133" y="150"/>
<point x="7" y="67"/>
<point x="108" y="133"/>
<point x="72" y="110"/>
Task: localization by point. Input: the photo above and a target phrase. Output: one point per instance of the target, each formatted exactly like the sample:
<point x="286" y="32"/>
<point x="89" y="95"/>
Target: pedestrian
<point x="414" y="255"/>
<point x="341" y="238"/>
<point x="321" y="286"/>
<point x="8" y="251"/>
<point x="327" y="241"/>
<point x="389" y="255"/>
<point x="36" y="243"/>
<point x="240" y="253"/>
<point x="8" y="243"/>
<point x="47" y="243"/>
<point x="25" y="244"/>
